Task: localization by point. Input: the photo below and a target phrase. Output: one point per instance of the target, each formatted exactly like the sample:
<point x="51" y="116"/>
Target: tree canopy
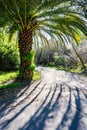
<point x="43" y="17"/>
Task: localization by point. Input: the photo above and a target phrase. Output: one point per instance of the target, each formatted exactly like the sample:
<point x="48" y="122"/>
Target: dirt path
<point x="57" y="102"/>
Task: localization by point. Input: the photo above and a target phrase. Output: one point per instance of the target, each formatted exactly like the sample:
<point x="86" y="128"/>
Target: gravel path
<point x="57" y="102"/>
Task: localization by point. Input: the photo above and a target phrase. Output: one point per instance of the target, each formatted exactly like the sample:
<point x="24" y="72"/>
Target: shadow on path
<point x="49" y="107"/>
<point x="5" y="104"/>
<point x="37" y="121"/>
<point x="7" y="122"/>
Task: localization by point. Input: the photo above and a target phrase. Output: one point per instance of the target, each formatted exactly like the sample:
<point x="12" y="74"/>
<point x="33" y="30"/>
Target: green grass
<point x="7" y="76"/>
<point x="74" y="70"/>
<point x="37" y="75"/>
<point x="78" y="69"/>
<point x="11" y="85"/>
<point x="66" y="69"/>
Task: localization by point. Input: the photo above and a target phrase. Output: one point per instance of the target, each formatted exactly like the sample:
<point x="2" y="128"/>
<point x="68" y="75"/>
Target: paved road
<point x="57" y="102"/>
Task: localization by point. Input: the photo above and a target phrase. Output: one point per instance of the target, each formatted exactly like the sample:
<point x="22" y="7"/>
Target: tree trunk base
<point x="26" y="76"/>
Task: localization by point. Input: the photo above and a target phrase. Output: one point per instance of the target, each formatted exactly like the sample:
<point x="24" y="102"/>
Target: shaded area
<point x="13" y="94"/>
<point x="58" y="98"/>
<point x="37" y="122"/>
<point x="77" y="116"/>
<point x="7" y="122"/>
<point x="65" y="116"/>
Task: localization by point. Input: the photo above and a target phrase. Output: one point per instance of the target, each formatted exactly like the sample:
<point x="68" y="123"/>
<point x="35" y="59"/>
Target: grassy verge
<point x="11" y="85"/>
<point x="7" y="76"/>
<point x="75" y="70"/>
<point x="37" y="75"/>
<point x="78" y="69"/>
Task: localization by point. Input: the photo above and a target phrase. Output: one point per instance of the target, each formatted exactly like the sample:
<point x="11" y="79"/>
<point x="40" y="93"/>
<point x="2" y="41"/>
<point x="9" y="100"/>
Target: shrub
<point x="32" y="67"/>
<point x="9" y="58"/>
<point x="52" y="64"/>
<point x="60" y="61"/>
<point x="71" y="63"/>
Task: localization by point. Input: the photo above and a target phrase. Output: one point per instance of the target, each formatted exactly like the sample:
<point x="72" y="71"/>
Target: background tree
<point x="36" y="22"/>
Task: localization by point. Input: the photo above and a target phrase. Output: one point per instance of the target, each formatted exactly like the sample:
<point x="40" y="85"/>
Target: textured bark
<point x="25" y="46"/>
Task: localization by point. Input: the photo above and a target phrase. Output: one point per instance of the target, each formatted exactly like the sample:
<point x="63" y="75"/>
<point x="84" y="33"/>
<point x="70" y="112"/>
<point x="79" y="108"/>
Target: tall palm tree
<point x="36" y="21"/>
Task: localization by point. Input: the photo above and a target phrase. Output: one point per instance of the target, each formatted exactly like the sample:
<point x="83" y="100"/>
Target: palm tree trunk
<point x="25" y="46"/>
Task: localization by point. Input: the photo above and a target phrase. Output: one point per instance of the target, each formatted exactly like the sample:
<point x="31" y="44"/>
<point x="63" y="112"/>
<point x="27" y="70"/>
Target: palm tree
<point x="36" y="22"/>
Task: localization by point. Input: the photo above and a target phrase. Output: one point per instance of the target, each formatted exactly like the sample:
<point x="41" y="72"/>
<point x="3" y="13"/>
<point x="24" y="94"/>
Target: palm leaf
<point x="53" y="17"/>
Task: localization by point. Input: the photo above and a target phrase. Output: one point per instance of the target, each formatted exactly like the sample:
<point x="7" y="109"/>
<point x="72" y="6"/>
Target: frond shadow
<point x="17" y="93"/>
<point x="37" y="121"/>
<point x="8" y="121"/>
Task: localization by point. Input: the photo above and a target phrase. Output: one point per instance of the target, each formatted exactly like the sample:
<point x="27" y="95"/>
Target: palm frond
<point x="53" y="17"/>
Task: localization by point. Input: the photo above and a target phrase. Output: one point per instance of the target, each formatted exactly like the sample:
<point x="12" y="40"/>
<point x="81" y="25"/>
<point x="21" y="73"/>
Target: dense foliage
<point x="9" y="58"/>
